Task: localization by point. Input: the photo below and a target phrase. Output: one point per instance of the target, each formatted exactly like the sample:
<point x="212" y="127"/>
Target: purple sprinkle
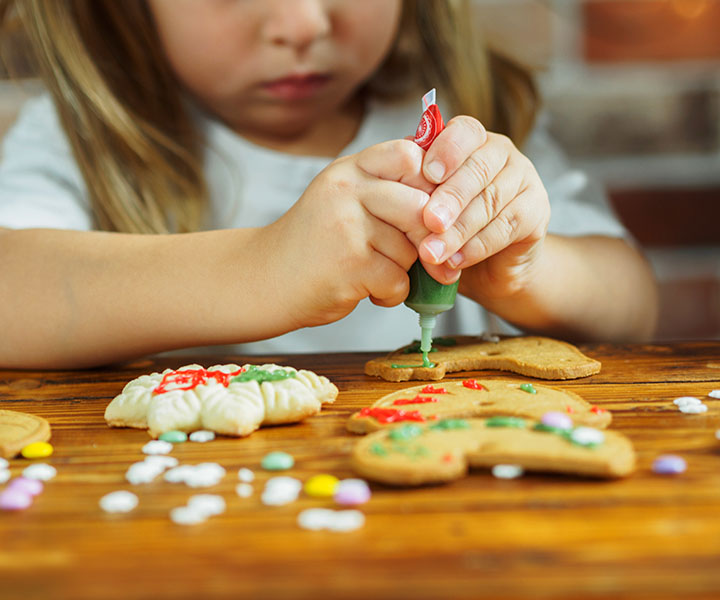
<point x="31" y="487"/>
<point x="557" y="419"/>
<point x="669" y="464"/>
<point x="350" y="492"/>
<point x="14" y="499"/>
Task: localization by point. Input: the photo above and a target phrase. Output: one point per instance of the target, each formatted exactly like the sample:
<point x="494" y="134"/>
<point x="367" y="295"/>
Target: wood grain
<point x="539" y="536"/>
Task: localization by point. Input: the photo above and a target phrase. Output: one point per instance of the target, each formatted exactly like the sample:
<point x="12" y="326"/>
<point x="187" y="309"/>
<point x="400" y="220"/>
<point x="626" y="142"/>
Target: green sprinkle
<point x="528" y="387"/>
<point x="378" y="449"/>
<point x="405" y="432"/>
<point x="549" y="429"/>
<point x="447" y="424"/>
<point x="174" y="437"/>
<point x="516" y="422"/>
<point x="413" y="452"/>
<point x="277" y="461"/>
<point x="255" y="373"/>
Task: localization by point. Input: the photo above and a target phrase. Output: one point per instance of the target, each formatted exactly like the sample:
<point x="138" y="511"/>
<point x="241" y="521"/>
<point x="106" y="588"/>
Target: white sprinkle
<point x="587" y="436"/>
<point x="4" y="464"/>
<point x="507" y="471"/>
<point x="142" y="472"/>
<point x="281" y="490"/>
<point x="202" y="475"/>
<point x="207" y="504"/>
<point x="4" y="475"/>
<point x="246" y="475"/>
<point x="693" y="409"/>
<point x="40" y="471"/>
<point x="686" y="400"/>
<point x="244" y="490"/>
<point x="118" y="502"/>
<point x="316" y="519"/>
<point x="162" y="462"/>
<point x="183" y="515"/>
<point x="717" y="434"/>
<point x="157" y="447"/>
<point x="202" y="436"/>
<point x="178" y="474"/>
<point x="714" y="394"/>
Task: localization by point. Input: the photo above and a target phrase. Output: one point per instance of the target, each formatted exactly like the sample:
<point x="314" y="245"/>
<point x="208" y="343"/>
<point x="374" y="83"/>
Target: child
<point x="212" y="172"/>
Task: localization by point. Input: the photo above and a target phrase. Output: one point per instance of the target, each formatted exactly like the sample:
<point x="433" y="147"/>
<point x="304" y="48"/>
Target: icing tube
<point x="427" y="297"/>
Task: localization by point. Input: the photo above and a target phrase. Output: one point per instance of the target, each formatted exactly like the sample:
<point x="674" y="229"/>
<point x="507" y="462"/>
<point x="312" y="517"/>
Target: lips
<point x="296" y="87"/>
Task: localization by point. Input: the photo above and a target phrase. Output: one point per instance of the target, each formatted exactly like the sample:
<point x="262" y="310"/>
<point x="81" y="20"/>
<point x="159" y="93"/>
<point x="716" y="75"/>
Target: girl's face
<point x="275" y="67"/>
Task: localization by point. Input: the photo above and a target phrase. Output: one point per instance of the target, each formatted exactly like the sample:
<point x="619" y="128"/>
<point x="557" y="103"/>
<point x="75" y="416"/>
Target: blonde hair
<point x="136" y="145"/>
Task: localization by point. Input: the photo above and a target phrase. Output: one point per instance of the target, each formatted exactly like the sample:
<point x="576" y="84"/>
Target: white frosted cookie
<point x="227" y="399"/>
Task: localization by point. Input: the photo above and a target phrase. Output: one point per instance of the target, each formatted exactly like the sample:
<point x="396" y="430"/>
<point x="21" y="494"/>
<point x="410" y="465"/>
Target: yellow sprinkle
<point x="321" y="486"/>
<point x="37" y="450"/>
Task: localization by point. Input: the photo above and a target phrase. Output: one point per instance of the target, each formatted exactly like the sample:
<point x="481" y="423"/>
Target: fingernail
<point x="436" y="248"/>
<point x="435" y="170"/>
<point x="456" y="260"/>
<point x="442" y="214"/>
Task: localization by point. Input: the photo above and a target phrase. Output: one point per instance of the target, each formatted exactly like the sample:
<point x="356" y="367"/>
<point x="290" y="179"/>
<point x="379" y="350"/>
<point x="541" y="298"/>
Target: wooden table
<point x="648" y="536"/>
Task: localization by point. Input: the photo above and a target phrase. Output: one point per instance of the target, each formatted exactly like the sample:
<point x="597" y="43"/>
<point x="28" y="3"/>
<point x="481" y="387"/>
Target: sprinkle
<point x="277" y="461"/>
<point x="37" y="450"/>
<point x="143" y="472"/>
<point x="597" y="410"/>
<point x="201" y="475"/>
<point x="118" y="502"/>
<point x="31" y="487"/>
<point x="173" y="436"/>
<point x="321" y="486"/>
<point x="557" y="420"/>
<point x="316" y="519"/>
<point x="162" y="462"/>
<point x="281" y="490"/>
<point x="528" y="387"/>
<point x="14" y="499"/>
<point x="202" y="436"/>
<point x="4" y="475"/>
<point x="669" y="464"/>
<point x="4" y="464"/>
<point x="208" y="505"/>
<point x="693" y="409"/>
<point x="183" y="515"/>
<point x="569" y="409"/>
<point x="687" y="400"/>
<point x="351" y="492"/>
<point x="246" y="475"/>
<point x="429" y="389"/>
<point x="244" y="490"/>
<point x="516" y="422"/>
<point x="405" y="432"/>
<point x="717" y="434"/>
<point x="587" y="436"/>
<point x="473" y="384"/>
<point x="507" y="471"/>
<point x="714" y="394"/>
<point x="157" y="447"/>
<point x="41" y="471"/>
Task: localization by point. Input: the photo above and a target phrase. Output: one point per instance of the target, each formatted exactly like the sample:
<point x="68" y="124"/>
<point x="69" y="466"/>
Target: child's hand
<point x="347" y="237"/>
<point x="489" y="209"/>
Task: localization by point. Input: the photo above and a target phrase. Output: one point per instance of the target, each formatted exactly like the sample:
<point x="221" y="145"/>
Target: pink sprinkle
<point x="31" y="487"/>
<point x="14" y="499"/>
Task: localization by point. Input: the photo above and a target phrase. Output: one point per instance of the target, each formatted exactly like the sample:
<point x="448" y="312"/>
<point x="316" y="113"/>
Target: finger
<point x="442" y="273"/>
<point x="461" y="136"/>
<point x="480" y="167"/>
<point x="438" y="247"/>
<point x="518" y="223"/>
<point x="393" y="245"/>
<point x="397" y="204"/>
<point x="387" y="283"/>
<point x="395" y="160"/>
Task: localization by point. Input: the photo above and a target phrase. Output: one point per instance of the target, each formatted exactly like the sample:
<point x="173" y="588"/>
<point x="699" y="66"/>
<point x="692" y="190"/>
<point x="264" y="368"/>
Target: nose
<point x="296" y="23"/>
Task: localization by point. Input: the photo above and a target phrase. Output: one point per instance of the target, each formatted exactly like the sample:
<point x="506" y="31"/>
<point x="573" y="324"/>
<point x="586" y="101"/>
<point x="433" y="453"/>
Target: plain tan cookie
<point x="415" y="454"/>
<point x="486" y="398"/>
<point x="18" y="429"/>
<point x="539" y="357"/>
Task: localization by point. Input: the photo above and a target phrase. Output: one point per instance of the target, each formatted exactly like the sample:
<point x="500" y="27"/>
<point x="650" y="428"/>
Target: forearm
<point x="75" y="299"/>
<point x="584" y="288"/>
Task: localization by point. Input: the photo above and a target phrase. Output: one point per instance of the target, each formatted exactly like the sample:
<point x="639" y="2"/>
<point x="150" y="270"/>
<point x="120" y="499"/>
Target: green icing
<point x="410" y="451"/>
<point x="255" y="373"/>
<point x="528" y="387"/>
<point x="516" y="422"/>
<point x="556" y="430"/>
<point x="405" y="432"/>
<point x="429" y="365"/>
<point x="414" y="348"/>
<point x="378" y="449"/>
<point x="447" y="424"/>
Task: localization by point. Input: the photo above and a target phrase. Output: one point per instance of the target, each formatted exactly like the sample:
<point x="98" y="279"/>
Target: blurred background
<point x="632" y="93"/>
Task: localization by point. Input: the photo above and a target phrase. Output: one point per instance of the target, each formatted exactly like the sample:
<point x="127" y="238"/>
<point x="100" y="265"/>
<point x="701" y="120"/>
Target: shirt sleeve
<point x="579" y="205"/>
<point x="40" y="183"/>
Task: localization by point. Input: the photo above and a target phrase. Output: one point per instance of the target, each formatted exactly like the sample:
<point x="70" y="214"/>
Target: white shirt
<point x="252" y="186"/>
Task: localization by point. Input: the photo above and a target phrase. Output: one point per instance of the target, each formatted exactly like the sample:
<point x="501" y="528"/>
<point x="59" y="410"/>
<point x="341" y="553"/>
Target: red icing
<point x="188" y="379"/>
<point x="392" y="415"/>
<point x="431" y="124"/>
<point x="429" y="389"/>
<point x="448" y="457"/>
<point x="473" y="384"/>
<point x="597" y="410"/>
<point x="415" y="400"/>
<point x="570" y="410"/>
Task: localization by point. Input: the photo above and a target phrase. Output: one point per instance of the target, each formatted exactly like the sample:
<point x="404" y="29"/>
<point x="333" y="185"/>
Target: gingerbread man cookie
<point x="475" y="398"/>
<point x="228" y="399"/>
<point x="18" y="429"/>
<point x="539" y="357"/>
<point x="416" y="454"/>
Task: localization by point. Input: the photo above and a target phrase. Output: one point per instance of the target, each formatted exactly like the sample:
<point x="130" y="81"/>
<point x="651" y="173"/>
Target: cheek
<point x="369" y="27"/>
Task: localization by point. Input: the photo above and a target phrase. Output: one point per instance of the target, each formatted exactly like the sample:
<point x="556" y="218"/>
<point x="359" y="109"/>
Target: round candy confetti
<point x="173" y="436"/>
<point x="202" y="436"/>
<point x="351" y="492"/>
<point x="37" y="450"/>
<point x="32" y="487"/>
<point x="528" y="387"/>
<point x="143" y="472"/>
<point x="714" y="394"/>
<point x="277" y="461"/>
<point x="281" y="490"/>
<point x="14" y="499"/>
<point x="207" y="504"/>
<point x="557" y="419"/>
<point x="154" y="447"/>
<point x="315" y="519"/>
<point x="41" y="471"/>
<point x="587" y="436"/>
<point x="246" y="475"/>
<point x="669" y="464"/>
<point x="686" y="400"/>
<point x="118" y="502"/>
<point x="507" y="471"/>
<point x="321" y="486"/>
<point x="4" y="464"/>
<point x="693" y="409"/>
<point x="184" y="515"/>
<point x="244" y="490"/>
<point x="161" y="462"/>
<point x="4" y="475"/>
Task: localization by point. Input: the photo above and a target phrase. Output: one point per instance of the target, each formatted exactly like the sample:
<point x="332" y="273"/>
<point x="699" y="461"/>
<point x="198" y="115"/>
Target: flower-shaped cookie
<point x="228" y="399"/>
